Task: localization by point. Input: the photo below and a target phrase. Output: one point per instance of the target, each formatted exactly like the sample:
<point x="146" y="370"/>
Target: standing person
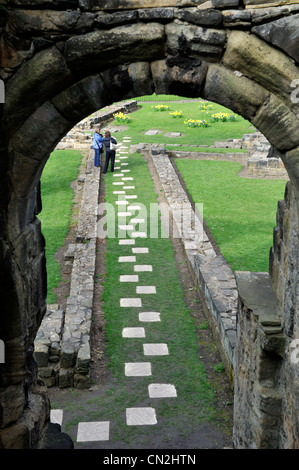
<point x="110" y="154"/>
<point x="97" y="144"/>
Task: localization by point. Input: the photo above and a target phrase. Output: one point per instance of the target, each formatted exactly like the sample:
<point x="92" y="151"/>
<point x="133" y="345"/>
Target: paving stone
<point x="129" y="187"/>
<point x="137" y="221"/>
<point x="141" y="416"/>
<point x="155" y="349"/>
<point x="123" y="158"/>
<point x="134" y="332"/>
<point x="126" y="227"/>
<point x="56" y="416"/>
<point x="138" y="235"/>
<point x="135" y="207"/>
<point x="117" y="174"/>
<point x="143" y="267"/>
<point x="128" y="178"/>
<point x="131" y="196"/>
<point x="130" y="302"/>
<point x="138" y="369"/>
<point x="118" y="183"/>
<point x="121" y="203"/>
<point x="125" y="171"/>
<point x="126" y="242"/>
<point x="124" y="214"/>
<point x="140" y="250"/>
<point x="129" y="278"/>
<point x="119" y="192"/>
<point x="127" y="259"/>
<point x="149" y="316"/>
<point x="124" y="163"/>
<point x="162" y="391"/>
<point x="146" y="290"/>
<point x="93" y="431"/>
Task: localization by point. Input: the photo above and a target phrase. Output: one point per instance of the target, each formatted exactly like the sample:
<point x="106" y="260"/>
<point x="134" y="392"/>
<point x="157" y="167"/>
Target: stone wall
<point x="62" y="344"/>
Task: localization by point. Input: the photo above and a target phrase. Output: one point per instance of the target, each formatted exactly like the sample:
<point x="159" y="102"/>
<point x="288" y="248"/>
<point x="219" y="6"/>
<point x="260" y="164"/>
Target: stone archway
<point x="60" y="66"/>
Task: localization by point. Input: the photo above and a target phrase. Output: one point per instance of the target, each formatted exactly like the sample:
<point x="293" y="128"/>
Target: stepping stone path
<point x="135" y="416"/>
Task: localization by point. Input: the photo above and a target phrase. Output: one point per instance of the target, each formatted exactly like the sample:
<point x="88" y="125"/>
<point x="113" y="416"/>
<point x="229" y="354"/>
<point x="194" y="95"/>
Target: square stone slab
<point x="137" y="221"/>
<point x="161" y="391"/>
<point x="149" y="316"/>
<point x="155" y="349"/>
<point x="124" y="214"/>
<point x="56" y="416"/>
<point x="138" y="235"/>
<point x="130" y="302"/>
<point x="143" y="267"/>
<point x="129" y="278"/>
<point x="126" y="242"/>
<point x="141" y="416"/>
<point x="139" y="250"/>
<point x="93" y="431"/>
<point x="127" y="259"/>
<point x="125" y="227"/>
<point x="146" y="290"/>
<point x="135" y="332"/>
<point x="138" y="369"/>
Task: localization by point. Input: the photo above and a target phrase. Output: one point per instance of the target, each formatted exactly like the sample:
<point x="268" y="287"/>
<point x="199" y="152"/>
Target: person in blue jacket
<point x="97" y="144"/>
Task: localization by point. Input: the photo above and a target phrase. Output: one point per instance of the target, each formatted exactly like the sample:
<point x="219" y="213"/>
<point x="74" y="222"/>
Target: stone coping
<point x="210" y="271"/>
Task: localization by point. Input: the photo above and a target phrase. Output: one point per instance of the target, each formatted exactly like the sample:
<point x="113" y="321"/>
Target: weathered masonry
<point x="64" y="59"/>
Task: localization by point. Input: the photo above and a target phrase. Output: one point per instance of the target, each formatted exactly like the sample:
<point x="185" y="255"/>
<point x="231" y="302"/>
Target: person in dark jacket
<point x="110" y="154"/>
<point x="97" y="144"/>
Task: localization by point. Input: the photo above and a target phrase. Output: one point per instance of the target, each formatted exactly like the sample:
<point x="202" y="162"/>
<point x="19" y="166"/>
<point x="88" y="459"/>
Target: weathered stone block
<point x="156" y="14"/>
<point x="41" y="354"/>
<point x="195" y="41"/>
<point x="262" y="63"/>
<point x="46" y="72"/>
<point x="104" y="49"/>
<point x="234" y="92"/>
<point x="66" y="378"/>
<point x="283" y="33"/>
<point x="210" y="17"/>
<point x="89" y="91"/>
<point x="115" y="19"/>
<point x="41" y="21"/>
<point x="133" y="4"/>
<point x="186" y="76"/>
<point x="275" y="120"/>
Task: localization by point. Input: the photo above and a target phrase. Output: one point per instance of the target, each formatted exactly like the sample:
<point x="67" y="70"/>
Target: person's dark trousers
<point x="112" y="160"/>
<point x="109" y="156"/>
<point x="97" y="157"/>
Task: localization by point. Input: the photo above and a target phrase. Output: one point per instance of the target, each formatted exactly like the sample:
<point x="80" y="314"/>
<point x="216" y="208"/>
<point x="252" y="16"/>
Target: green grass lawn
<point x="147" y="118"/>
<point x="240" y="212"/>
<point x="57" y="202"/>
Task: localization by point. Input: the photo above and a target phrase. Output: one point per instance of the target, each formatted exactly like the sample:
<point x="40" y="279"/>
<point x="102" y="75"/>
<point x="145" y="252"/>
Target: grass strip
<point x="57" y="200"/>
<point x="240" y="212"/>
